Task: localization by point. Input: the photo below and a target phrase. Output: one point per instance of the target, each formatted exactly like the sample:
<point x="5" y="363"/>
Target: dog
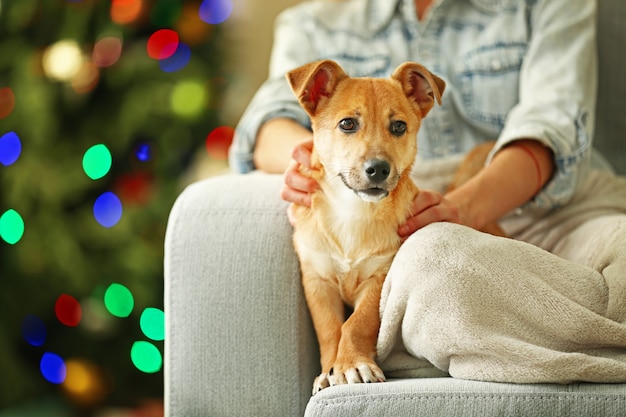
<point x="364" y="145"/>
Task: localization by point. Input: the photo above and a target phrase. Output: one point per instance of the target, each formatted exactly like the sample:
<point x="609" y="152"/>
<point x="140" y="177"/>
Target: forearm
<point x="275" y="142"/>
<point x="513" y="177"/>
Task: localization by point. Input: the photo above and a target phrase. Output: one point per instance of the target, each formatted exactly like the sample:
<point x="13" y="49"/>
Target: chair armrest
<point x="239" y="339"/>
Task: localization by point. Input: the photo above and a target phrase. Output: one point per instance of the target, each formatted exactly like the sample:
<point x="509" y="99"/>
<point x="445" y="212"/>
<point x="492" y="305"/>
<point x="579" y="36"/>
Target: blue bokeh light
<point x="10" y="148"/>
<point x="215" y="11"/>
<point x="53" y="368"/>
<point x="143" y="152"/>
<point x="34" y="330"/>
<point x="179" y="59"/>
<point x="108" y="209"/>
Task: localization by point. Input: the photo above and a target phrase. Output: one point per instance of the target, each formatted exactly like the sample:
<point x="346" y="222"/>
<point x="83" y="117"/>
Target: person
<point x="546" y="306"/>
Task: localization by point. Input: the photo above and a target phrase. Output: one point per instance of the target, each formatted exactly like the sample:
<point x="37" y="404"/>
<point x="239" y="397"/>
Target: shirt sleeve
<point x="292" y="48"/>
<point x="558" y="93"/>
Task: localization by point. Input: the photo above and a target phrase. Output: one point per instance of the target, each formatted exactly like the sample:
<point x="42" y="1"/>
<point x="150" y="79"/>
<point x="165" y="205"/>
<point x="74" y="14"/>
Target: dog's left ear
<point x="315" y="82"/>
<point x="420" y="85"/>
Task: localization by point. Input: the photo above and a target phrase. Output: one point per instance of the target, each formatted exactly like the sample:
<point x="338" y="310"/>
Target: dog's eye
<point x="397" y="128"/>
<point x="348" y="125"/>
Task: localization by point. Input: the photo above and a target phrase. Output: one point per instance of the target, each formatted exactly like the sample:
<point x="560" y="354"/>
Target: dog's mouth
<point x="372" y="194"/>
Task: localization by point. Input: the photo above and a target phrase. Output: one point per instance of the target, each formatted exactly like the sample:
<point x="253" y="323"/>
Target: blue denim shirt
<point x="514" y="69"/>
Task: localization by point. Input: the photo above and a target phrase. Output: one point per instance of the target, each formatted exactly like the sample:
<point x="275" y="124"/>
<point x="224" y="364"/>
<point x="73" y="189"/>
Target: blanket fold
<point x="486" y="308"/>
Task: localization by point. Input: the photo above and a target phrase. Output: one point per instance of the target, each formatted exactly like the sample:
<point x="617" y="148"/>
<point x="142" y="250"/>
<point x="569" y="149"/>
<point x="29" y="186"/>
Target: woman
<point x="521" y="73"/>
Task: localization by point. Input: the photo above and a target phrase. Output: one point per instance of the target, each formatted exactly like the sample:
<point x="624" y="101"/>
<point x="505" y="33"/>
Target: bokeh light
<point x="97" y="161"/>
<point x="107" y="51"/>
<point x="152" y="323"/>
<point x="146" y="357"/>
<point x="85" y="382"/>
<point x="143" y="152"/>
<point x="162" y="44"/>
<point x="68" y="310"/>
<point x="52" y="367"/>
<point x="218" y="142"/>
<point x="135" y="188"/>
<point x="179" y="59"/>
<point x="86" y="79"/>
<point x="107" y="209"/>
<point x="125" y="11"/>
<point x="119" y="300"/>
<point x="11" y="227"/>
<point x="191" y="29"/>
<point x="62" y="60"/>
<point x="34" y="330"/>
<point x="215" y="11"/>
<point x="7" y="101"/>
<point x="10" y="148"/>
<point x="188" y="98"/>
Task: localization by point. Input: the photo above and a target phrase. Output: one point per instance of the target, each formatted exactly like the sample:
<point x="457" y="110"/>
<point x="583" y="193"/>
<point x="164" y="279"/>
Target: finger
<point x="424" y="200"/>
<point x="294" y="196"/>
<point x="295" y="179"/>
<point x="443" y="212"/>
<point x="302" y="153"/>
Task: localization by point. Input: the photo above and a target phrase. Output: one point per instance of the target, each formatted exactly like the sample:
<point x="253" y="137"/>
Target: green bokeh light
<point x="119" y="300"/>
<point x="152" y="323"/>
<point x="146" y="357"/>
<point x="188" y="98"/>
<point x="11" y="226"/>
<point x="97" y="161"/>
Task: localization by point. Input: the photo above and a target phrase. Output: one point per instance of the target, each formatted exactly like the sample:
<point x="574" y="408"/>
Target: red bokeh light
<point x="162" y="44"/>
<point x="68" y="310"/>
<point x="218" y="142"/>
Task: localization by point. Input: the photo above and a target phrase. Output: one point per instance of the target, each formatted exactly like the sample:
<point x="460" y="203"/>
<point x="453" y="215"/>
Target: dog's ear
<point x="312" y="83"/>
<point x="419" y="85"/>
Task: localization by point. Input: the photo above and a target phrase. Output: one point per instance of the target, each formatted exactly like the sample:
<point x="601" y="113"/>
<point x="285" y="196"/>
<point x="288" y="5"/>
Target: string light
<point x="107" y="209"/>
<point x="11" y="227"/>
<point x="68" y="310"/>
<point x="52" y="367"/>
<point x="218" y="142"/>
<point x="34" y="330"/>
<point x="7" y="101"/>
<point x="146" y="357"/>
<point x="152" y="323"/>
<point x="10" y="148"/>
<point x="215" y="11"/>
<point x="119" y="300"/>
<point x="97" y="161"/>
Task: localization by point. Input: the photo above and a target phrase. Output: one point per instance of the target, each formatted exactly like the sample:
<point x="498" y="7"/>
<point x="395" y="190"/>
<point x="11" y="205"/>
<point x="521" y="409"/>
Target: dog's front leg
<point x="356" y="354"/>
<point x="327" y="312"/>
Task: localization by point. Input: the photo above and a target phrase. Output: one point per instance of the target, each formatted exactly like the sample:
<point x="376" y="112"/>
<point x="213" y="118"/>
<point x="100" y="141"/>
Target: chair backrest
<point x="610" y="137"/>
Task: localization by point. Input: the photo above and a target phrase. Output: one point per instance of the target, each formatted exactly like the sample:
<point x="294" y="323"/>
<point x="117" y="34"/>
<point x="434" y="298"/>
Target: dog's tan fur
<point x="348" y="237"/>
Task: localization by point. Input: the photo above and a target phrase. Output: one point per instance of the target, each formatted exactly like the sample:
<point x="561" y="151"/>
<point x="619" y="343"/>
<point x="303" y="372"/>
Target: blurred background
<point x="108" y="108"/>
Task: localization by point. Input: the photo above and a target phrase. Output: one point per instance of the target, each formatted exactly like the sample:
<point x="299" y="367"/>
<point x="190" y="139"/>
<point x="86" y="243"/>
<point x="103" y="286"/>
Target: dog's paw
<point x="320" y="383"/>
<point x="357" y="374"/>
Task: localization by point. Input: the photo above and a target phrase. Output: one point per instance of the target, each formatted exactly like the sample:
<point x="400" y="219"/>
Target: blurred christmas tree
<point x="102" y="104"/>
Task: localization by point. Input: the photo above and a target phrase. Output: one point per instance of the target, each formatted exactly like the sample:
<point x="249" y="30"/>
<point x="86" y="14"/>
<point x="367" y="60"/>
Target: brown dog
<point x="365" y="133"/>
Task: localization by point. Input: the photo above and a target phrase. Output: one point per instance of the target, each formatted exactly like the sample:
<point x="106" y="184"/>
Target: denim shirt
<point x="514" y="69"/>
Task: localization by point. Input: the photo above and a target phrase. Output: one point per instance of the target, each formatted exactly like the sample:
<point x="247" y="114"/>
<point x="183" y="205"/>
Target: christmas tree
<point x="102" y="106"/>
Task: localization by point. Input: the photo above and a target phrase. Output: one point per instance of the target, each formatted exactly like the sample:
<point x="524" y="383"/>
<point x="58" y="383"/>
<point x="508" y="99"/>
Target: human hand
<point x="429" y="207"/>
<point x="298" y="187"/>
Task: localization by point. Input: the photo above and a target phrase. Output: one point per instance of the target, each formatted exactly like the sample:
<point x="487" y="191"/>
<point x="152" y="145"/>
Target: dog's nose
<point x="377" y="170"/>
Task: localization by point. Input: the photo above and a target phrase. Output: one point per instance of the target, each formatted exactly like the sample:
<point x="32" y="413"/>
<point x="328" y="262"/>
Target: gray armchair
<point x="239" y="339"/>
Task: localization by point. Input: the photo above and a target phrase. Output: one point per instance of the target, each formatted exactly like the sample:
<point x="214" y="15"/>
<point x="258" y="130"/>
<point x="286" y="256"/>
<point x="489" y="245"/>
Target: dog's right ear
<point x="315" y="82"/>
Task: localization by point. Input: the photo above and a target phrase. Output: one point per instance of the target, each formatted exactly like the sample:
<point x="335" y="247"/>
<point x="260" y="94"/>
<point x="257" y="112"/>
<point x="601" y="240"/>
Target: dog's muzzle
<point x="372" y="184"/>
